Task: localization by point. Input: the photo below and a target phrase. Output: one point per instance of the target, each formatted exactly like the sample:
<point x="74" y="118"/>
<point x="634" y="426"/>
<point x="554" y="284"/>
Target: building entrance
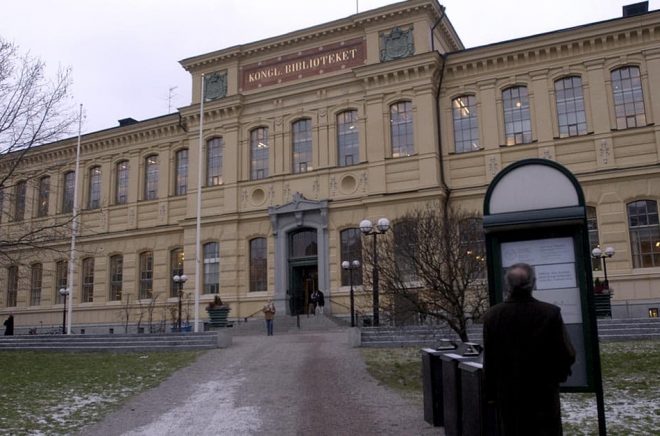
<point x="304" y="280"/>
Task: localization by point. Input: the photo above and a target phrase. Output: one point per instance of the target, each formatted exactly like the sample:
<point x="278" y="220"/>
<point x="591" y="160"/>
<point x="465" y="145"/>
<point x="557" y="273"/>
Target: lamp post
<point x="367" y="228"/>
<point x="603" y="255"/>
<point x="350" y="266"/>
<point x="180" y="280"/>
<point x="64" y="292"/>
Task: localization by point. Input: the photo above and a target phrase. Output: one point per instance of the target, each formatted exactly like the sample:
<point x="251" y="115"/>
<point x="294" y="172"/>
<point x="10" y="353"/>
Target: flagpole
<point x="74" y="228"/>
<point x="198" y="249"/>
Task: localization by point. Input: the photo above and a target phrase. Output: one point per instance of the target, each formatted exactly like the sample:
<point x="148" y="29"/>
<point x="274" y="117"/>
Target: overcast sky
<point x="124" y="53"/>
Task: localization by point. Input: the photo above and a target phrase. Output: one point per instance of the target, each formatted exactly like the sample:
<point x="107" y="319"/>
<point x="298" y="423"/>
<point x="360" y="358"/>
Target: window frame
<point x="20" y="195"/>
<point x="258" y="264"/>
<point x="43" y="196"/>
<point x="36" y="283"/>
<point x="116" y="277"/>
<point x="564" y="102"/>
<point x="519" y="135"/>
<point x="12" y="286"/>
<point x="259" y="153"/>
<point x="61" y="279"/>
<point x="121" y="182"/>
<point x="402" y="137"/>
<point x="348" y="138"/>
<point x="301" y="146"/>
<point x="350" y="249"/>
<point x="87" y="295"/>
<point x="211" y="272"/>
<point x="629" y="118"/>
<point x="181" y="172"/>
<point x="215" y="151"/>
<point x="459" y="122"/>
<point x="146" y="275"/>
<point x="639" y="234"/>
<point x="151" y="177"/>
<point x="176" y="269"/>
<point x="68" y="188"/>
<point x="94" y="187"/>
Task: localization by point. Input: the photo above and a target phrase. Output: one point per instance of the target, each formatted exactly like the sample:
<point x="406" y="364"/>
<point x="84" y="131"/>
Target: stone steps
<point x="285" y="324"/>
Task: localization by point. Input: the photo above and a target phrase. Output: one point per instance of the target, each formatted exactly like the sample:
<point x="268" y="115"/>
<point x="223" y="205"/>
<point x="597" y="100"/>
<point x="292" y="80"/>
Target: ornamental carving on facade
<point x="215" y="85"/>
<point x="397" y="44"/>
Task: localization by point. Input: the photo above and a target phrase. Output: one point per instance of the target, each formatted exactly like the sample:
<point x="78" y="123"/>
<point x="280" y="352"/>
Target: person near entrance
<point x="320" y="301"/>
<point x="313" y="301"/>
<point x="269" y="314"/>
<point x="527" y="353"/>
<point x="9" y="325"/>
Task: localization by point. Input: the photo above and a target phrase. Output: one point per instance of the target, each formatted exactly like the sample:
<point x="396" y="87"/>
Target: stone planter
<point x="218" y="316"/>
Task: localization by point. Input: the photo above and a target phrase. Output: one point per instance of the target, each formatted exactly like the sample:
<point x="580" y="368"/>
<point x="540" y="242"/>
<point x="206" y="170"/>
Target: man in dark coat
<point x="527" y="353"/>
<point x="9" y="326"/>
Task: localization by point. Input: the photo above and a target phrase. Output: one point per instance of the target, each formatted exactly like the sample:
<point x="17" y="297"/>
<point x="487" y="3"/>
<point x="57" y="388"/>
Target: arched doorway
<point x="303" y="269"/>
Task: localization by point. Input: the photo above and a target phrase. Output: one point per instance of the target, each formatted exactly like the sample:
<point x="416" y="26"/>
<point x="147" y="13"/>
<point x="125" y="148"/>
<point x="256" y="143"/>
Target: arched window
<point x="116" y="277"/>
<point x="88" y="280"/>
<point x="571" y="116"/>
<point x="61" y="279"/>
<point x="517" y="116"/>
<point x="151" y="177"/>
<point x="67" y="196"/>
<point x="121" y="183"/>
<point x="176" y="269"/>
<point x="302" y="146"/>
<point x="466" y="124"/>
<point x="644" y="233"/>
<point x="258" y="265"/>
<point x="19" y="201"/>
<point x="36" y="275"/>
<point x="351" y="249"/>
<point x="12" y="285"/>
<point x="303" y="244"/>
<point x="628" y="97"/>
<point x="592" y="226"/>
<point x="146" y="275"/>
<point x="214" y="155"/>
<point x="94" y="188"/>
<point x="43" y="196"/>
<point x="259" y="153"/>
<point x="405" y="247"/>
<point x="181" y="172"/>
<point x="348" y="139"/>
<point x="401" y="129"/>
<point x="211" y="268"/>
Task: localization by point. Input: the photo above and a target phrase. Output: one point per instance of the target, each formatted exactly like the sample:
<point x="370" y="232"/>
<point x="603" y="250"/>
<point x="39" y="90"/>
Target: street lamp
<point x="367" y="228"/>
<point x="180" y="280"/>
<point x="64" y="292"/>
<point x="600" y="254"/>
<point x="350" y="266"/>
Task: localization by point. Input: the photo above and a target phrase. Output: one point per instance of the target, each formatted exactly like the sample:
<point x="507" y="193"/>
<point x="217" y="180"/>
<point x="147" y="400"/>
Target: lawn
<point x="631" y="371"/>
<point x="59" y="393"/>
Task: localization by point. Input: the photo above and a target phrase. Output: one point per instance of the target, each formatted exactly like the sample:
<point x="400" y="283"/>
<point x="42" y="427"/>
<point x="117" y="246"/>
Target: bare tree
<point x="432" y="264"/>
<point x="34" y="110"/>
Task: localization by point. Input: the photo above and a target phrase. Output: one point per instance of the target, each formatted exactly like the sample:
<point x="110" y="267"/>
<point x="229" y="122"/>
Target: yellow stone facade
<point x="405" y="53"/>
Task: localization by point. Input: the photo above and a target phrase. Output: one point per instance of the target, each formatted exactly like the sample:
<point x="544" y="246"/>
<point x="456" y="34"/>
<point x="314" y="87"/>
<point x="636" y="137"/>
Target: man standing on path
<point x="527" y="354"/>
<point x="9" y="325"/>
<point x="269" y="314"/>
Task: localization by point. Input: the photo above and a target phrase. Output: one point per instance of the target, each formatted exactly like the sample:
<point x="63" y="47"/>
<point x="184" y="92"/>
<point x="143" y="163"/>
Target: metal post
<point x="64" y="316"/>
<point x="180" y="296"/>
<point x="607" y="284"/>
<point x="375" y="302"/>
<point x="350" y="279"/>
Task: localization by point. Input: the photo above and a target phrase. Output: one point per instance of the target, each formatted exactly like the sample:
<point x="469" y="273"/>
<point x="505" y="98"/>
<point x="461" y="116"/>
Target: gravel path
<point x="293" y="384"/>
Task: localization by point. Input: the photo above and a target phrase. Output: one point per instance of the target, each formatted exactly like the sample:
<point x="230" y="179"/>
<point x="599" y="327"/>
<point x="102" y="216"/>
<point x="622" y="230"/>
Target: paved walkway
<point x="292" y="384"/>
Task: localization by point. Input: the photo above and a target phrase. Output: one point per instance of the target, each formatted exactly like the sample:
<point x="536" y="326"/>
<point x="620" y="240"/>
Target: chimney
<point x="127" y="122"/>
<point x="636" y="9"/>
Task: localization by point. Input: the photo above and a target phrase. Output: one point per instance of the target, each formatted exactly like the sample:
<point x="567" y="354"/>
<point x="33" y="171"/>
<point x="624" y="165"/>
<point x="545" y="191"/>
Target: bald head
<point x="520" y="280"/>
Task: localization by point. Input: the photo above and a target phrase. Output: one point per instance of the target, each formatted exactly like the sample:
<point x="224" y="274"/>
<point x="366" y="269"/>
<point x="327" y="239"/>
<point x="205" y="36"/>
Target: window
<point x="146" y="275"/>
<point x="176" y="269"/>
<point x="644" y="233"/>
<point x="592" y="227"/>
<point x="570" y="107"/>
<point x="258" y="265"/>
<point x="466" y="125"/>
<point x="348" y="139"/>
<point x="351" y="249"/>
<point x="116" y="277"/>
<point x="473" y="241"/>
<point x="303" y="244"/>
<point x="628" y="98"/>
<point x="151" y="178"/>
<point x="302" y="146"/>
<point x="405" y="243"/>
<point x="401" y="129"/>
<point x="259" y="153"/>
<point x="67" y="197"/>
<point x="36" y="275"/>
<point x="517" y="118"/>
<point x="181" y="172"/>
<point x="94" y="188"/>
<point x="121" y="188"/>
<point x="215" y="149"/>
<point x="42" y="196"/>
<point x="12" y="285"/>
<point x="211" y="268"/>
<point x="61" y="270"/>
<point x="88" y="280"/>
<point x="19" y="201"/>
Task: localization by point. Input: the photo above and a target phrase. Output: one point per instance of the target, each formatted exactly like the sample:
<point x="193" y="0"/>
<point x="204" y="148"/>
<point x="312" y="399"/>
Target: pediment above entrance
<point x="298" y="203"/>
<point x="298" y="212"/>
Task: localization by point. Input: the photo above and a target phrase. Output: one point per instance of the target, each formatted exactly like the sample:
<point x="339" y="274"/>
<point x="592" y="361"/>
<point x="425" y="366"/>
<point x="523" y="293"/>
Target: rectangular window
<point x="348" y="139"/>
<point x="405" y="246"/>
<point x="146" y="275"/>
<point x="351" y="250"/>
<point x="211" y="268"/>
<point x="19" y="205"/>
<point x="214" y="154"/>
<point x="61" y="271"/>
<point x="151" y="178"/>
<point x="644" y="233"/>
<point x="67" y="197"/>
<point x="517" y="116"/>
<point x="121" y="189"/>
<point x="12" y="286"/>
<point x="181" y="176"/>
<point x="466" y="126"/>
<point x="35" y="284"/>
<point x="302" y="146"/>
<point x="116" y="277"/>
<point x="176" y="269"/>
<point x="44" y="193"/>
<point x="570" y="107"/>
<point x="94" y="188"/>
<point x="628" y="98"/>
<point x="258" y="265"/>
<point x="259" y="153"/>
<point x="401" y="129"/>
<point x="88" y="280"/>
